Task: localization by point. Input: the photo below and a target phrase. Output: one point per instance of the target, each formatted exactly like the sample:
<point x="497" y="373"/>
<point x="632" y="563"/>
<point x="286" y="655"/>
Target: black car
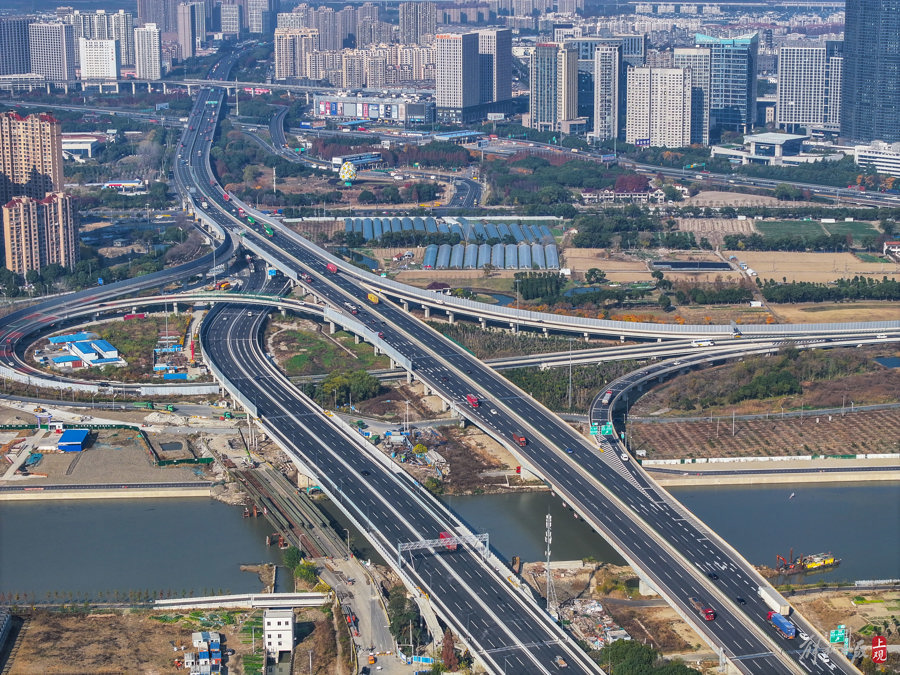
<point x="739" y="600"/>
<point x="366" y="472"/>
<point x="713" y="576"/>
<point x="569" y="451"/>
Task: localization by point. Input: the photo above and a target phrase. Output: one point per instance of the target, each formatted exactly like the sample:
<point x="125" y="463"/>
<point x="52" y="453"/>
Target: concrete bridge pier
<point x="405" y="306"/>
<point x="546" y="332"/>
<point x="134" y="309"/>
<point x="427" y="312"/>
<point x="445" y="405"/>
<point x="133" y="88"/>
<point x="283" y="311"/>
<point x="356" y="339"/>
<point x="175" y="308"/>
<point x="587" y="337"/>
<point x="483" y="323"/>
<point x="48" y="87"/>
<point x="451" y="318"/>
<point x="393" y="364"/>
<point x="409" y="377"/>
<point x="165" y="88"/>
<point x="331" y="328"/>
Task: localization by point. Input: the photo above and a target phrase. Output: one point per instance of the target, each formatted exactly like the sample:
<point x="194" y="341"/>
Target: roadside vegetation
<point x="343" y="388"/>
<point x="551" y="387"/>
<point x="857" y="288"/>
<point x="630" y="657"/>
<point x="498" y="343"/>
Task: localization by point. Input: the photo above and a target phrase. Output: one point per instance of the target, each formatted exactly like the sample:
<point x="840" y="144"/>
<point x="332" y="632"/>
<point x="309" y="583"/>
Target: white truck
<point x="774" y="600"/>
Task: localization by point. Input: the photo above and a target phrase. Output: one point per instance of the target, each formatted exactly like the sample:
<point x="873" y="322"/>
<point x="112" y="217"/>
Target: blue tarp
<point x="73" y="337"/>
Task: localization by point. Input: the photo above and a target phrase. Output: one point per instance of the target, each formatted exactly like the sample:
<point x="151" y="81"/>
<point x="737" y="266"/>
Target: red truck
<point x="331" y="267"/>
<point x="472" y="399"/>
<point x="520" y="439"/>
<point x="705" y="611"/>
<point x="451" y="546"/>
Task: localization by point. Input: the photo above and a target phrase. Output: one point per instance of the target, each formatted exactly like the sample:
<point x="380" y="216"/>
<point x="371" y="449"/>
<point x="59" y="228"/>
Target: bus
<point x="702" y="343"/>
<point x="268" y="231"/>
<point x="251" y="220"/>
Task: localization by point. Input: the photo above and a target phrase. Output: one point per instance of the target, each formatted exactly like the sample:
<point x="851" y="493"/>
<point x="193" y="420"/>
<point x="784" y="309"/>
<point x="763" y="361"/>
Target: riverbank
<point x="48" y="493"/>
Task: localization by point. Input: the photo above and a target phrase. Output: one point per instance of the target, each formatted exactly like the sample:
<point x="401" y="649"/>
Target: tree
<point x="594" y="276"/>
<point x="488" y="268"/>
<point x="665" y="303"/>
<point x="292" y="557"/>
<point x="448" y="652"/>
<point x="419" y="449"/>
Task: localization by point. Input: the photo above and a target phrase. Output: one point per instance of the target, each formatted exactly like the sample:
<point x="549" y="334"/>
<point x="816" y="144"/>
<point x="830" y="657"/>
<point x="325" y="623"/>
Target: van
<point x="881" y="336"/>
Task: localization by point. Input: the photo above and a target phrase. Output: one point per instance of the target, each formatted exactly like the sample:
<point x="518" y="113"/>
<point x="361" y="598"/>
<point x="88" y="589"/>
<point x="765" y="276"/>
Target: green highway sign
<point x="607" y="429"/>
<point x="593" y="430"/>
<point x="837" y="635"/>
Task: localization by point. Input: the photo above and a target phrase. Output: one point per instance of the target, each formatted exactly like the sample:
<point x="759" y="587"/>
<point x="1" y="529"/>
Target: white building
<point x="885" y="157"/>
<point x="809" y="86"/>
<point x="292" y="45"/>
<point x="659" y="107"/>
<point x="52" y="47"/>
<point x="607" y="63"/>
<point x="148" y="52"/>
<point x="99" y="59"/>
<point x="698" y="60"/>
<point x="278" y="631"/>
<point x="456" y="73"/>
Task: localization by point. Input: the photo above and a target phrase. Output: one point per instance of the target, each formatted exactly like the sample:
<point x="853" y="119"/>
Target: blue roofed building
<point x="73" y="440"/>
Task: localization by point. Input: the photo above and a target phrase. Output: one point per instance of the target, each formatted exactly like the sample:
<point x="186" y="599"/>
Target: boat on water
<point x="805" y="564"/>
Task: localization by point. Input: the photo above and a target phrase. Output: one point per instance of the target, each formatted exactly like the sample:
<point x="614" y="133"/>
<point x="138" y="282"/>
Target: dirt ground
<point x="855" y="609"/>
<point x="715" y="229"/>
<point x="735" y="199"/>
<point x="816" y="267"/>
<point x="844" y="312"/>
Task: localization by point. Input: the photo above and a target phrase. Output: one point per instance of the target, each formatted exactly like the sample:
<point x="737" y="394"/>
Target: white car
<point x="624" y="456"/>
<point x="493" y="411"/>
<point x="803" y="636"/>
<point x="823" y="657"/>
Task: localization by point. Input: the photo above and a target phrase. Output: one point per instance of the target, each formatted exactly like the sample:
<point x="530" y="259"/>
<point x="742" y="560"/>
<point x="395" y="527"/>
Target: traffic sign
<point x="879" y="649"/>
<point x="607" y="429"/>
<point x="837" y="635"/>
<point x="594" y="430"/>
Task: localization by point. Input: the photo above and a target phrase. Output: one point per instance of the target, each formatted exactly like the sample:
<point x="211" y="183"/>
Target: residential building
<point x="187" y="30"/>
<point x="554" y="87"/>
<point x="260" y="17"/>
<point x="495" y="65"/>
<point x="99" y="60"/>
<point x="418" y="22"/>
<point x="230" y="19"/>
<point x="292" y="45"/>
<point x="698" y="59"/>
<point x="14" y="49"/>
<point x="278" y="631"/>
<point x="607" y="69"/>
<point x="52" y="51"/>
<point x="659" y="107"/>
<point x="148" y="52"/>
<point x="164" y="13"/>
<point x="30" y="156"/>
<point x="809" y="89"/>
<point x="732" y="81"/>
<point x="39" y="232"/>
<point x="456" y="73"/>
<point x="870" y="99"/>
<point x="98" y="25"/>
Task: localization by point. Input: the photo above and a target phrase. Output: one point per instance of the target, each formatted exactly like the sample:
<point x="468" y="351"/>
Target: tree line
<point x="857" y="288"/>
<point x="758" y="242"/>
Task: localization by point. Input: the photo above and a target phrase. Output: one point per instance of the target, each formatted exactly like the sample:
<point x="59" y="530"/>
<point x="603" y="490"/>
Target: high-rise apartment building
<point x="698" y="59"/>
<point x="418" y="22"/>
<point x="292" y="45"/>
<point x="99" y="60"/>
<point x="607" y="70"/>
<point x="164" y="13"/>
<point x="30" y="156"/>
<point x="187" y="30"/>
<point x="554" y="86"/>
<point x="99" y="25"/>
<point x="52" y="50"/>
<point x="659" y="107"/>
<point x="261" y="16"/>
<point x="39" y="232"/>
<point x="809" y="89"/>
<point x="732" y="80"/>
<point x="495" y="70"/>
<point x="870" y="99"/>
<point x="148" y="52"/>
<point x="456" y="74"/>
<point x="14" y="48"/>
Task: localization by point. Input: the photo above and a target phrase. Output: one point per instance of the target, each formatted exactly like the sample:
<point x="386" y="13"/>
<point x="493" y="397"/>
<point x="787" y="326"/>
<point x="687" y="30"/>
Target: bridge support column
<point x="512" y="325"/>
<point x="621" y="338"/>
<point x="175" y="308"/>
<point x="48" y="87"/>
<point x="587" y="337"/>
<point x="483" y="323"/>
<point x="331" y="327"/>
<point x="546" y="332"/>
<point x="283" y="311"/>
<point x="451" y="318"/>
<point x="445" y="406"/>
<point x="134" y="309"/>
<point x="393" y="364"/>
<point x="356" y="339"/>
<point x="405" y="306"/>
<point x="427" y="312"/>
<point x="165" y="88"/>
<point x="133" y="88"/>
<point x="409" y="377"/>
<point x="149" y="87"/>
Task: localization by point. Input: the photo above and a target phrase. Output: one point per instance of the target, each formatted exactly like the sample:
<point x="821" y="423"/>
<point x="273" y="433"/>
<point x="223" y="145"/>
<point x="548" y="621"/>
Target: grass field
<point x="790" y="228"/>
<point x="312" y="354"/>
<point x="858" y="229"/>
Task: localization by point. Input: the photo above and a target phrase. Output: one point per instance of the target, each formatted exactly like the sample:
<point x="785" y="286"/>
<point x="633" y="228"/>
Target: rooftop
<point x="73" y="436"/>
<point x="770" y="138"/>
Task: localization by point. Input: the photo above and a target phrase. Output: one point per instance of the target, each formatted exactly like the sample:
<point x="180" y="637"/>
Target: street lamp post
<point x="517" y="282"/>
<point x="348" y="541"/>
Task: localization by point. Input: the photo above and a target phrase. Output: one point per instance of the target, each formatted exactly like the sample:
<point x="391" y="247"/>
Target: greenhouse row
<point x="375" y="228"/>
<point x="499" y="256"/>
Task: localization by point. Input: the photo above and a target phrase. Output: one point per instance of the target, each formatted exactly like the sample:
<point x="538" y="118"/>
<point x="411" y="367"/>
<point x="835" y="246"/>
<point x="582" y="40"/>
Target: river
<point x="177" y="545"/>
<point x="198" y="544"/>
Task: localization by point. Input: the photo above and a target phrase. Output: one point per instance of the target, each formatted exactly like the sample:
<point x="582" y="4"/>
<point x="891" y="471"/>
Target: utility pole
<point x="237" y="100"/>
<point x="570" y="373"/>
<point x="552" y="602"/>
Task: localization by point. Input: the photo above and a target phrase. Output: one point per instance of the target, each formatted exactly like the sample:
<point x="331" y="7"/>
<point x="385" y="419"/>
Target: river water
<point x="130" y="544"/>
<point x="198" y="544"/>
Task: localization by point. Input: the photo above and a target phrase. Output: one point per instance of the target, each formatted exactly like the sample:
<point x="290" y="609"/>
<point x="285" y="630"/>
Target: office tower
<point x="292" y="45"/>
<point x="187" y="31"/>
<point x="260" y="16"/>
<point x="164" y="13"/>
<point x="30" y="156"/>
<point x="698" y="60"/>
<point x="39" y="232"/>
<point x="659" y="107"/>
<point x="14" y="49"/>
<point x="418" y="22"/>
<point x="99" y="59"/>
<point x="607" y="71"/>
<point x="230" y="19"/>
<point x="809" y="86"/>
<point x="456" y="74"/>
<point x="148" y="52"/>
<point x="495" y="58"/>
<point x="554" y="86"/>
<point x="99" y="25"/>
<point x="870" y="99"/>
<point x="732" y="81"/>
<point x="52" y="47"/>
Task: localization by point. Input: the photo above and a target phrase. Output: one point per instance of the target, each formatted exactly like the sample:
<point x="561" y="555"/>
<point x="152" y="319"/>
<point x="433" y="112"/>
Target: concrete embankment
<point x="42" y="494"/>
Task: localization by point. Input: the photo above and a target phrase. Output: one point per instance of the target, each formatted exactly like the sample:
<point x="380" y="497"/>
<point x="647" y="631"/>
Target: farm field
<point x="813" y="267"/>
<point x="790" y="228"/>
<point x="836" y="313"/>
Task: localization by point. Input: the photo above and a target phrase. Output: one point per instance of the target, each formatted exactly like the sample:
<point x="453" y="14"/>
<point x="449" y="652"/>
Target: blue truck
<point x="782" y="625"/>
